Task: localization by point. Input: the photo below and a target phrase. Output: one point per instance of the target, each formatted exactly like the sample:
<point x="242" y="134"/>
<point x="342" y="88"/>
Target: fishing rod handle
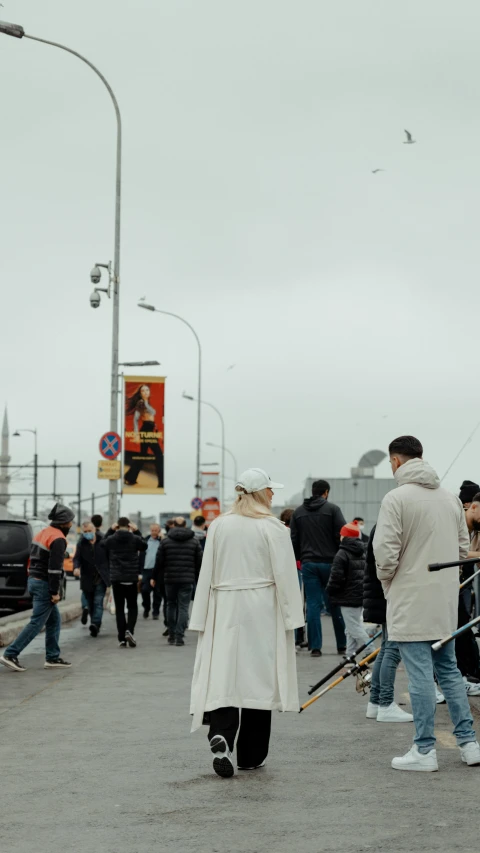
<point x="435" y="567"/>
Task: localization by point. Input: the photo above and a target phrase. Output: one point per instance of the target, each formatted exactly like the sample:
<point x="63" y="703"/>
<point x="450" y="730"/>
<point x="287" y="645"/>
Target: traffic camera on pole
<point x="95" y="278"/>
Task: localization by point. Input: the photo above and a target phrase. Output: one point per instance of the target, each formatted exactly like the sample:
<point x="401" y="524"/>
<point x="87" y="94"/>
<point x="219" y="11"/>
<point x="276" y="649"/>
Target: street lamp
<point x="148" y="307"/>
<point x="235" y="465"/>
<point x="138" y="363"/>
<point x="222" y="446"/>
<point x="17" y="31"/>
<point x="16" y="434"/>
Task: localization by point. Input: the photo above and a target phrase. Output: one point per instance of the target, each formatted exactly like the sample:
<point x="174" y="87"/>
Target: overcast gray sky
<point x="347" y="301"/>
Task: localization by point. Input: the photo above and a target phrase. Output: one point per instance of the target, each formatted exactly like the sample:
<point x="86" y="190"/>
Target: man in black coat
<point x="382" y="706"/>
<point x="123" y="544"/>
<point x="345" y="586"/>
<point x="178" y="563"/>
<point x="315" y="528"/>
<point x="90" y="564"/>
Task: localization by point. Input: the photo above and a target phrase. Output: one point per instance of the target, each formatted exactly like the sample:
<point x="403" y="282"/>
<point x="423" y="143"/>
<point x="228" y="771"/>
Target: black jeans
<point x="466" y="649"/>
<point x="179" y="596"/>
<point x="139" y="459"/>
<point x="254" y="737"/>
<point x="125" y="593"/>
<point x="158" y="594"/>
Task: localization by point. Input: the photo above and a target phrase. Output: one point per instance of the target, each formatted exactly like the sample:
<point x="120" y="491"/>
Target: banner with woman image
<point x="144" y="436"/>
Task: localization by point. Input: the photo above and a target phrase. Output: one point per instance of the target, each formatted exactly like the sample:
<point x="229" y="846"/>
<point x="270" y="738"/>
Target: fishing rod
<point x="440" y="643"/>
<point x="360" y="669"/>
<point x="435" y="567"/>
<point x="346" y="660"/>
<point x="469" y="580"/>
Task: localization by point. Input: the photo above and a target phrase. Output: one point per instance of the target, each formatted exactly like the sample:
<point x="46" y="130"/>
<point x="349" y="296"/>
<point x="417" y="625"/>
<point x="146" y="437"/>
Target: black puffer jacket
<point x="315" y="527"/>
<point x="345" y="586"/>
<point x="179" y="557"/>
<point x="122" y="550"/>
<point x="91" y="559"/>
<point x="374" y="604"/>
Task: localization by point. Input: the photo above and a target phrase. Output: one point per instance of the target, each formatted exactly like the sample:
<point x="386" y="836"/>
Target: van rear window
<point x="13" y="539"/>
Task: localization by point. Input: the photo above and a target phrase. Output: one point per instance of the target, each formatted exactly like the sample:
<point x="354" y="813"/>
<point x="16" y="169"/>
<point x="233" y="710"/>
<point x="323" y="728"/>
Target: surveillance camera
<point x="95" y="275"/>
<point x="95" y="299"/>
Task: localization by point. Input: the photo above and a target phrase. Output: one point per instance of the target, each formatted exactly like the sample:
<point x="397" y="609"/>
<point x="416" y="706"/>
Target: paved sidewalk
<point x="99" y="759"/>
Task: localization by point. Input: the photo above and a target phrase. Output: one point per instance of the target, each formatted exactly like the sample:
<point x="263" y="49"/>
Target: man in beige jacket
<point x="421" y="523"/>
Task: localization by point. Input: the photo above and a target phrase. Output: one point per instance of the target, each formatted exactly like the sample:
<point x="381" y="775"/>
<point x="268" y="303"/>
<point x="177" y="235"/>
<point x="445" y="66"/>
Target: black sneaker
<point x="171" y="641"/>
<point x="222" y="763"/>
<point x="130" y="639"/>
<point x="84" y="618"/>
<point x="179" y="642"/>
<point x="94" y="629"/>
<point x="155" y="617"/>
<point x="341" y="650"/>
<point x="316" y="653"/>
<point x="146" y="614"/>
<point x="12" y="663"/>
<point x="57" y="663"/>
<point x="166" y="633"/>
<point x="122" y="644"/>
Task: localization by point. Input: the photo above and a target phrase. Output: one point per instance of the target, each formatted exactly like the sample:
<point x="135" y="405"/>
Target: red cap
<point x="351" y="530"/>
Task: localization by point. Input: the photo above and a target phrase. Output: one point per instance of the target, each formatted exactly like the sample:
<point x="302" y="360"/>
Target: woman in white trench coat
<point x="247" y="606"/>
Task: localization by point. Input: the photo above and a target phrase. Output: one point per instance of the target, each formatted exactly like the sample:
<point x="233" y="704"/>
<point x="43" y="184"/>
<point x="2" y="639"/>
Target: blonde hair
<point x="254" y="505"/>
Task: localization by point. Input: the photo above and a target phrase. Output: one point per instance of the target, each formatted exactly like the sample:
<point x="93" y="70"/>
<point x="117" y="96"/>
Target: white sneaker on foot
<point x="223" y="762"/>
<point x="372" y="711"/>
<point x="439" y="697"/>
<point x="393" y="714"/>
<point x="415" y="760"/>
<point x="257" y="767"/>
<point x="470" y="753"/>
<point x="471" y="688"/>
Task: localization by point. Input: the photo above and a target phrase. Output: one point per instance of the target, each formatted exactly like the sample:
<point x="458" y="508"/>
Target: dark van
<point x="15" y="541"/>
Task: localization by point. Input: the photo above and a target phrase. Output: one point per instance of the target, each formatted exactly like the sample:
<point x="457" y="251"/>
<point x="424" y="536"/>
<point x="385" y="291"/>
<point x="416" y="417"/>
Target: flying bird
<point x="410" y="140"/>
<point x="375" y="171"/>
<point x="231" y="367"/>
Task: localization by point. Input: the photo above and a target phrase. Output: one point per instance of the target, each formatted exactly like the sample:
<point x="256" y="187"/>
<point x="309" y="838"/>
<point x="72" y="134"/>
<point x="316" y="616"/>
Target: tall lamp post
<point x="35" y="467"/>
<point x="222" y="422"/>
<point x="18" y="31"/>
<point x="235" y="464"/>
<point x="148" y="307"/>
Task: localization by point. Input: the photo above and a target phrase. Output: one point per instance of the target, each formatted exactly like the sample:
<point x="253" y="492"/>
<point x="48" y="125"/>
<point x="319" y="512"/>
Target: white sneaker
<point x="393" y="714"/>
<point x="415" y="760"/>
<point x="470" y="753"/>
<point x="258" y="766"/>
<point x="372" y="711"/>
<point x="439" y="697"/>
<point x="471" y="688"/>
<point x="222" y="763"/>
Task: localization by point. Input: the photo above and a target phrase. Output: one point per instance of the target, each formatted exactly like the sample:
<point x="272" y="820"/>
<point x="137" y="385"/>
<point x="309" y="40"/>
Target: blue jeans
<point x="84" y="601"/>
<point x="299" y="632"/>
<point x="45" y="615"/>
<point x="420" y="661"/>
<point x="384" y="672"/>
<point x="179" y="596"/>
<point x="94" y="601"/>
<point x="315" y="579"/>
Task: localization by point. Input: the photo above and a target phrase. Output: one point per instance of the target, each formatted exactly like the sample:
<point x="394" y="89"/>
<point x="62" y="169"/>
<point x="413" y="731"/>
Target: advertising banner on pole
<point x="210" y="484"/>
<point x="144" y="436"/>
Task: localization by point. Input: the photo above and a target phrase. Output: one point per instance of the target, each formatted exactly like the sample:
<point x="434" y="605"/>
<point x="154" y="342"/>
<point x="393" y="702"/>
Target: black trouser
<point x="254" y="736"/>
<point x="138" y="460"/>
<point x="158" y="594"/>
<point x="179" y="596"/>
<point x="466" y="649"/>
<point x="125" y="593"/>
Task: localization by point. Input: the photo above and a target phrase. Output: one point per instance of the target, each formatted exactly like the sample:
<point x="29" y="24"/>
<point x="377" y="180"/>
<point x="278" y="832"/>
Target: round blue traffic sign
<point x="110" y="445"/>
<point x="197" y="503"/>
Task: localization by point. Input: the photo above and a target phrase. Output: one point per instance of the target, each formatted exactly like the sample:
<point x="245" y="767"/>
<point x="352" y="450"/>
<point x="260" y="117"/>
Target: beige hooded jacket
<point x="420" y="523"/>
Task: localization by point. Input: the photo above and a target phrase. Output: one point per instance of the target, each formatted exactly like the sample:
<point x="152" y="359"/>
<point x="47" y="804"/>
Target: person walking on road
<point x="123" y="544"/>
<point x="199" y="530"/>
<point x="147" y="565"/>
<point x="177" y="566"/>
<point x="44" y="585"/>
<point x="246" y="609"/>
<point x="315" y="527"/>
<point x="91" y="566"/>
<point x="421" y="523"/>
<point x="345" y="586"/>
<point x="381" y="706"/>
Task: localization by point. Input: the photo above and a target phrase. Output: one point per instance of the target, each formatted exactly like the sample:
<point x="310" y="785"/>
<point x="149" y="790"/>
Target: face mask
<point x="89" y="536"/>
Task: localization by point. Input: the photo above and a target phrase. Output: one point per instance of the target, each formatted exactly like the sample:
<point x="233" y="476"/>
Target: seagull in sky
<point x="410" y="140"/>
<point x="231" y="367"/>
<point x="375" y="171"/>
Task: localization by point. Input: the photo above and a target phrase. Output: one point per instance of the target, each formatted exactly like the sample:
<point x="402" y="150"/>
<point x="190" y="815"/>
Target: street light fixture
<point x="18" y="32"/>
<point x="138" y="363"/>
<point x="17" y="434"/>
<point x="149" y="307"/>
<point x="235" y="464"/>
<point x="222" y="445"/>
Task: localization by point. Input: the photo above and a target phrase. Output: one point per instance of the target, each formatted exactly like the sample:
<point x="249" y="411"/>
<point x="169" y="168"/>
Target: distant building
<point x="358" y="495"/>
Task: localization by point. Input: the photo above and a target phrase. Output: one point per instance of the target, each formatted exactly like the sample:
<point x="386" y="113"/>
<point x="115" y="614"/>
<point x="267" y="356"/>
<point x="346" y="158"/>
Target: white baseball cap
<point x="255" y="480"/>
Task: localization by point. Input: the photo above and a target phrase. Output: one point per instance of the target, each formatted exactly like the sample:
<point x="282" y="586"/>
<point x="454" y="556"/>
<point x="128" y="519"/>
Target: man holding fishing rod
<point x="420" y="523"/>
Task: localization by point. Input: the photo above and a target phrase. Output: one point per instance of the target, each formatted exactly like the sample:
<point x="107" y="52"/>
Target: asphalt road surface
<point x="99" y="759"/>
